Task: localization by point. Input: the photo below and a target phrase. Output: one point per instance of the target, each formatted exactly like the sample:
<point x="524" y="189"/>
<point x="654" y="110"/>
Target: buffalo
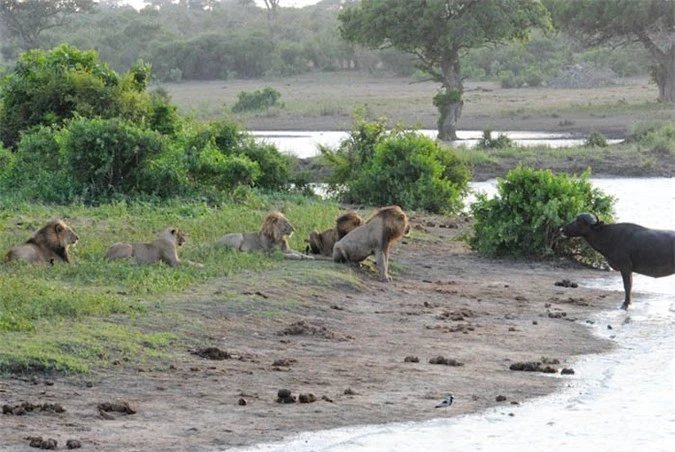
<point x="627" y="247"/>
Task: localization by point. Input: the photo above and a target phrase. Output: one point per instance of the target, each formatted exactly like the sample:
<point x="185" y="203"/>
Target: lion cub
<point x="164" y="248"/>
<point x="376" y="237"/>
<point x="48" y="245"/>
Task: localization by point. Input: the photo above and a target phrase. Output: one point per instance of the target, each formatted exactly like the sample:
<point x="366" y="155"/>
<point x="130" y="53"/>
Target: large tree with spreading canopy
<point x="437" y="32"/>
<point x="621" y="22"/>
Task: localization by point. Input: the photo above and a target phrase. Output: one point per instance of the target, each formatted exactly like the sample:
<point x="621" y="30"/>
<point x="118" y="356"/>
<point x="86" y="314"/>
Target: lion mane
<point x="322" y="243"/>
<point x="164" y="248"/>
<point x="48" y="245"/>
<point x="272" y="235"/>
<point x="376" y="236"/>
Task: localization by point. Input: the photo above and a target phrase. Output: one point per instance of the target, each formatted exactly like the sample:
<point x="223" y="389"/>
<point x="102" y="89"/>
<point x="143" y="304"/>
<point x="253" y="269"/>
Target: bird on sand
<point x="447" y="402"/>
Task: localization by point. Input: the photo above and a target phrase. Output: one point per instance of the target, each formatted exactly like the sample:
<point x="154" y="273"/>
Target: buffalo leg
<point x="627" y="276"/>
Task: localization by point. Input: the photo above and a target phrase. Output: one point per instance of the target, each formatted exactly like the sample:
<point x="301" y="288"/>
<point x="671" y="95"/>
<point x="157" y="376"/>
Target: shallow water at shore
<point x="620" y="401"/>
<point x="304" y="144"/>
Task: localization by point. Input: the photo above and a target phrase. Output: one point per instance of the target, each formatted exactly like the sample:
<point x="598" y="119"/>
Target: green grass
<point x="70" y="318"/>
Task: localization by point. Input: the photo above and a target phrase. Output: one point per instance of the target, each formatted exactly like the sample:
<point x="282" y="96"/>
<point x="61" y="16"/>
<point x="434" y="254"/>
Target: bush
<point x="487" y="142"/>
<point x="109" y="156"/>
<point x="524" y="219"/>
<point x="596" y="139"/>
<point x="257" y="100"/>
<point x="37" y="169"/>
<point x="659" y="139"/>
<point x="414" y="172"/>
<point x="347" y="160"/>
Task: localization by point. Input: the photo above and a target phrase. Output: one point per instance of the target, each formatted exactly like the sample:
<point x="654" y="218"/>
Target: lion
<point x="48" y="245"/>
<point x="272" y="235"/>
<point x="377" y="237"/>
<point x="164" y="248"/>
<point x="321" y="243"/>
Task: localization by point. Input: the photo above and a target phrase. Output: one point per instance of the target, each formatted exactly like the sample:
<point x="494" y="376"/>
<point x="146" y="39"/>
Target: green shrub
<point x="258" y="100"/>
<point x="659" y="139"/>
<point x="37" y="169"/>
<point x="413" y="171"/>
<point x="109" y="156"/>
<point x="347" y="160"/>
<point x="531" y="205"/>
<point x="487" y="142"/>
<point x="596" y="139"/>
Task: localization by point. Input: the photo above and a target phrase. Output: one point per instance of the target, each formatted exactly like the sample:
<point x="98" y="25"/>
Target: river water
<point x="623" y="400"/>
<point x="305" y="144"/>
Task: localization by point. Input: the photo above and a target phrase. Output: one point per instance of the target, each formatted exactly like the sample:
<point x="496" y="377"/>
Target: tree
<point x="622" y="22"/>
<point x="25" y="20"/>
<point x="437" y="32"/>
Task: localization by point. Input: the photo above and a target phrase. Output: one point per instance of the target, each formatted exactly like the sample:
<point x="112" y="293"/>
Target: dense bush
<point x="488" y="142"/>
<point x="109" y="156"/>
<point x="50" y="88"/>
<point x="657" y="138"/>
<point x="258" y="100"/>
<point x="347" y="160"/>
<point x="596" y="139"/>
<point x="524" y="219"/>
<point x="414" y="172"/>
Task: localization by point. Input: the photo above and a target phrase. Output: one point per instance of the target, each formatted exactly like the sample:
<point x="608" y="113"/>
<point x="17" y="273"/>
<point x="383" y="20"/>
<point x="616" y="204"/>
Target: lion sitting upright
<point x="272" y="235"/>
<point x="322" y="242"/>
<point x="377" y="237"/>
<point x="164" y="248"/>
<point x="49" y="244"/>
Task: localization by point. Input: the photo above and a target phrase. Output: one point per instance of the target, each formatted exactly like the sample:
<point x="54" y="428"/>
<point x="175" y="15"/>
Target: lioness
<point x="322" y="242"/>
<point x="50" y="244"/>
<point x="377" y="237"/>
<point x="272" y="235"/>
<point x="164" y="248"/>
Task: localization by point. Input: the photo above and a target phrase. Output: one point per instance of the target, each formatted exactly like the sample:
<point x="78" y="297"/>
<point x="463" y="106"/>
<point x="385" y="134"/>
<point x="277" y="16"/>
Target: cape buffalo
<point x="627" y="247"/>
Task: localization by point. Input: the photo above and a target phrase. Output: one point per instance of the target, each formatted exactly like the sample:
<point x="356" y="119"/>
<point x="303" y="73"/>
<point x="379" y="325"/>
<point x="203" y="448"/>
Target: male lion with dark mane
<point x="48" y="245"/>
<point x="322" y="242"/>
<point x="272" y="235"/>
<point x="164" y="248"/>
<point x="377" y="237"/>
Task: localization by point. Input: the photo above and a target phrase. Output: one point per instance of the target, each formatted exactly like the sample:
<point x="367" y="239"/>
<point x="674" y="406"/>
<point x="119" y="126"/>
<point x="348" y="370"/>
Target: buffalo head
<point x="581" y="226"/>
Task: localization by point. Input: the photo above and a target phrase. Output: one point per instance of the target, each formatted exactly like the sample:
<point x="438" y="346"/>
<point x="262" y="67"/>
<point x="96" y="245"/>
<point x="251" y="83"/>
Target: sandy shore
<point x="342" y="343"/>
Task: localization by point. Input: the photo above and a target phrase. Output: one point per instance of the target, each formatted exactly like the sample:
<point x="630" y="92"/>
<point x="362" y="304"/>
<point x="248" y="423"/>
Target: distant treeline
<point x="217" y="40"/>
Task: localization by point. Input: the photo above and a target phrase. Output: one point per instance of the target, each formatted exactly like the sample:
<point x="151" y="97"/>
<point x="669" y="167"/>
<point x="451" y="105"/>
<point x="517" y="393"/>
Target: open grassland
<point x="92" y="312"/>
<point x="326" y="101"/>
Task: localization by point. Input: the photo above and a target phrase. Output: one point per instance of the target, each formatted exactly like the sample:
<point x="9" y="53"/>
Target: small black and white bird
<point x="447" y="402"/>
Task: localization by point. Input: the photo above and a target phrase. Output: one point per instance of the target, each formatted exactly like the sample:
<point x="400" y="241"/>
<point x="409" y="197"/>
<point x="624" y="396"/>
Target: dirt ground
<point x="351" y="352"/>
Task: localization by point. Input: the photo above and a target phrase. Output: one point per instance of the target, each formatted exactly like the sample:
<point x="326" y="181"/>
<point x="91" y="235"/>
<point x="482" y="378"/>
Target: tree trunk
<point x="449" y="101"/>
<point x="664" y="76"/>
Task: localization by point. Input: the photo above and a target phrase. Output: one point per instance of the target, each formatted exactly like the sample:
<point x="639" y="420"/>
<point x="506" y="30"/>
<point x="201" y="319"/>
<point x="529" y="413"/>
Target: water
<point x="306" y="144"/>
<point x="618" y="401"/>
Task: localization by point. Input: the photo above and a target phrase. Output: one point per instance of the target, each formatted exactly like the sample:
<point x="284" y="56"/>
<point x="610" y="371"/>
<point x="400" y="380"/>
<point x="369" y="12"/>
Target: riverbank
<point x="360" y="351"/>
<point x="326" y="102"/>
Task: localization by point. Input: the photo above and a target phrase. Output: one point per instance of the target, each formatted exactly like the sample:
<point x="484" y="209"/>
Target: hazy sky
<point x="138" y="4"/>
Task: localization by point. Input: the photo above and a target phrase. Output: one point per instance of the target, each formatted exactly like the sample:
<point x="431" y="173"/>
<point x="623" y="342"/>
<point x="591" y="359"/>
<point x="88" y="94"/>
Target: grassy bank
<point x="93" y="313"/>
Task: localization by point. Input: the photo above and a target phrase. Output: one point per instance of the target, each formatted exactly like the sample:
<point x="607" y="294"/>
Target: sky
<point x="138" y="4"/>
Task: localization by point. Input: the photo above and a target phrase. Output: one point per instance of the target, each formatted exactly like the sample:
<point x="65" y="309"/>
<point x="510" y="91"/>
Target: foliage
<point x="487" y="142"/>
<point x="436" y="32"/>
<point x="412" y="171"/>
<point x="596" y="139"/>
<point x="622" y="22"/>
<point x="258" y="100"/>
<point x="348" y="159"/>
<point x="49" y="88"/>
<point x="24" y="21"/>
<point x="523" y="220"/>
<point x="108" y="156"/>
<point x="659" y="139"/>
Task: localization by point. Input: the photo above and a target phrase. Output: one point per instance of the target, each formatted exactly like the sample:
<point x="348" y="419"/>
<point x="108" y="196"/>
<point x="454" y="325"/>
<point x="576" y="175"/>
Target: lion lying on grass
<point x="377" y="237"/>
<point x="48" y="245"/>
<point x="272" y="235"/>
<point x="322" y="242"/>
<point x="164" y="248"/>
